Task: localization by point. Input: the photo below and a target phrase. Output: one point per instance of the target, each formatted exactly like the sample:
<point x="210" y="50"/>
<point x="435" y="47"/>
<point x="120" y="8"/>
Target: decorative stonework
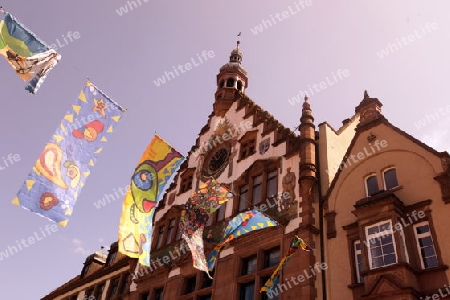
<point x="444" y="181"/>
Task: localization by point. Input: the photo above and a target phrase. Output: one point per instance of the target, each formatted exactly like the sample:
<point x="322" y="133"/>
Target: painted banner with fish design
<point x="156" y="167"/>
<point x="55" y="182"/>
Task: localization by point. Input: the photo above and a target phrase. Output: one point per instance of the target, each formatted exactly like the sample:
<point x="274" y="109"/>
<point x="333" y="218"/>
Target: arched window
<point x="222" y="83"/>
<point x="390" y="178"/>
<point x="230" y="82"/>
<point x="239" y="85"/>
<point x="371" y="185"/>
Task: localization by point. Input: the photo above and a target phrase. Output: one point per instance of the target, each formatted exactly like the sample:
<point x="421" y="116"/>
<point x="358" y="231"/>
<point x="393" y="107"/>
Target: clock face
<point x="216" y="162"/>
<point x="218" y="159"/>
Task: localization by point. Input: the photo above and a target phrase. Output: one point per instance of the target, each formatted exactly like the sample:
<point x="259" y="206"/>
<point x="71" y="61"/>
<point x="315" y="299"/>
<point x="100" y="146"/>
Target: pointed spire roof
<point x="235" y="60"/>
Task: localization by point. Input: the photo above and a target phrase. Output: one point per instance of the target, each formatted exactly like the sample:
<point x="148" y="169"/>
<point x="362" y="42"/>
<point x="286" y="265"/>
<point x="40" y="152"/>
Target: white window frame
<point x="384" y="179"/>
<point x="423" y="235"/>
<point x="405" y="248"/>
<point x="358" y="274"/>
<point x="378" y="236"/>
<point x="365" y="183"/>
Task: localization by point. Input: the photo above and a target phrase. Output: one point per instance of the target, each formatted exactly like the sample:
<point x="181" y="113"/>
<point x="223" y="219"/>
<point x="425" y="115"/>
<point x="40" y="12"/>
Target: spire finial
<point x="306" y="98"/>
<point x="238" y="41"/>
<point x="366" y="95"/>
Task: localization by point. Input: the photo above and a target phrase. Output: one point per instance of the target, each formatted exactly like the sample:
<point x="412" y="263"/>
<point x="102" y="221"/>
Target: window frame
<point x="247" y="145"/>
<point x="186" y="181"/>
<point x="247" y="283"/>
<point x="101" y="286"/>
<point x="160" y="239"/>
<point x="170" y="231"/>
<point x="262" y="168"/>
<point x="379" y="236"/>
<point x="220" y="213"/>
<point x="113" y="290"/>
<point x="245" y="261"/>
<point x="124" y="282"/>
<point x="384" y="178"/>
<point x="359" y="278"/>
<point x="417" y="236"/>
<point x="186" y="284"/>
<point x="156" y="290"/>
<point x="366" y="178"/>
<point x="267" y="254"/>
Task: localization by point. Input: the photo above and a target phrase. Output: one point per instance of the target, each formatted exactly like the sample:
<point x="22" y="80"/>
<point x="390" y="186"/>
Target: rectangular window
<point x="99" y="291"/>
<point x="159" y="294"/>
<point x="265" y="296"/>
<point x="358" y="261"/>
<point x="160" y="237"/>
<point x="390" y="179"/>
<point x="271" y="190"/>
<point x="371" y="185"/>
<point x="178" y="237"/>
<point x="89" y="293"/>
<point x="425" y="245"/>
<point x="144" y="296"/>
<point x="190" y="285"/>
<point x="205" y="297"/>
<point x="221" y="212"/>
<point x="257" y="189"/>
<point x="113" y="287"/>
<point x="249" y="265"/>
<point x="124" y="284"/>
<point x="207" y="282"/>
<point x="380" y="240"/>
<point x="272" y="257"/>
<point x="247" y="291"/>
<point x="243" y="195"/>
<point x="170" y="231"/>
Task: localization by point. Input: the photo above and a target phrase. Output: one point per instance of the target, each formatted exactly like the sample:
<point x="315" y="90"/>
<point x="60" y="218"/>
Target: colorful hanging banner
<point x="53" y="186"/>
<point x="195" y="243"/>
<point x="202" y="203"/>
<point x="31" y="58"/>
<point x="198" y="209"/>
<point x="240" y="225"/>
<point x="156" y="167"/>
<point x="274" y="278"/>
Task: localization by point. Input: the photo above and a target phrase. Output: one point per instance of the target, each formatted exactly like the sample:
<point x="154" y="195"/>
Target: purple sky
<point x="123" y="55"/>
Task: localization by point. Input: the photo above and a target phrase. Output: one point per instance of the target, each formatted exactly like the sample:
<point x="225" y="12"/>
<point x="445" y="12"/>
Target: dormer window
<point x="186" y="180"/>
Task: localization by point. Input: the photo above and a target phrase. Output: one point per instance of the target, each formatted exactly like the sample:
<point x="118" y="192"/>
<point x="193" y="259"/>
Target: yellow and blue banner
<point x="240" y="225"/>
<point x="31" y="58"/>
<point x="155" y="169"/>
<point x="55" y="182"/>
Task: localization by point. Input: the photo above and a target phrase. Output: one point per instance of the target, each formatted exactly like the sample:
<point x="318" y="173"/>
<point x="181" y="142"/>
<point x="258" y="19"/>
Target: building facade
<point x="102" y="277"/>
<point x="369" y="198"/>
<point x="385" y="210"/>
